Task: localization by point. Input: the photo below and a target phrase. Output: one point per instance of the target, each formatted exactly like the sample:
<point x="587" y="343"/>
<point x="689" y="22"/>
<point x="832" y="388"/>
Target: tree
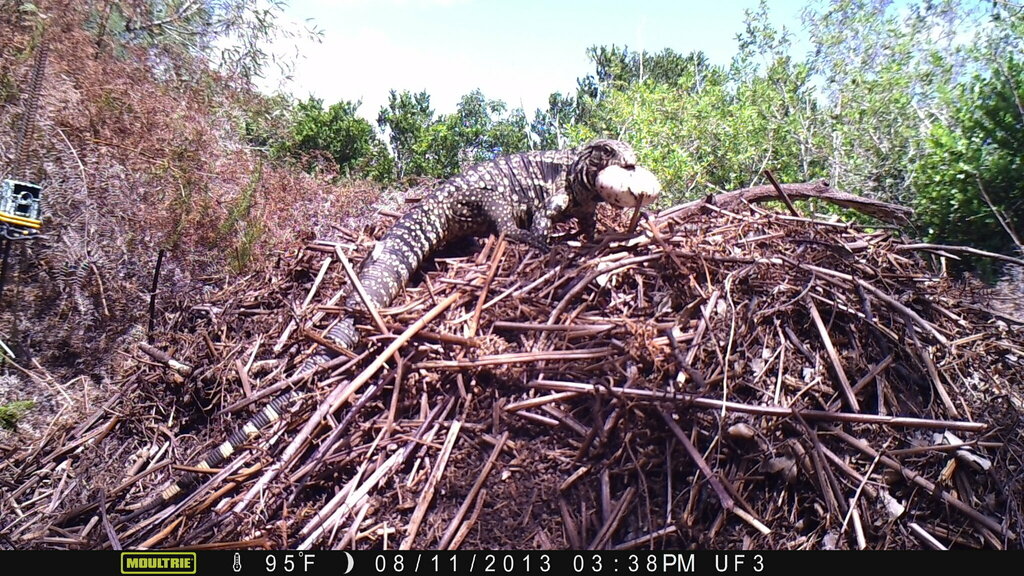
<point x="883" y="69"/>
<point x="777" y="94"/>
<point x="230" y="34"/>
<point x="405" y="119"/>
<point x="486" y="128"/>
<point x="479" y="130"/>
<point x="699" y="125"/>
<point x="572" y="118"/>
<point x="619" y="68"/>
<point x="335" y="132"/>
<point x="549" y="126"/>
<point x="971" y="187"/>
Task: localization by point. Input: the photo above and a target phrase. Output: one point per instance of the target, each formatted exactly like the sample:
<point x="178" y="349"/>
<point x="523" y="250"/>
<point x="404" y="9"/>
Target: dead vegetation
<point x="724" y="378"/>
<point x="131" y="163"/>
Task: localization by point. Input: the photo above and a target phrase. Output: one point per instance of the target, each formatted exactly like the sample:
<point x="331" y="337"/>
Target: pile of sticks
<point x="724" y="376"/>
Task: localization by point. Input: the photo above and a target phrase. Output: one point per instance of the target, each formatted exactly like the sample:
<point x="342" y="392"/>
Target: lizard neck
<point x="580" y="178"/>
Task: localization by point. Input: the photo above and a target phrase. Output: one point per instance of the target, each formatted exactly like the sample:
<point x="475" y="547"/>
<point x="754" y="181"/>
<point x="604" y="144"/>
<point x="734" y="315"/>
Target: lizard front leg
<point x="503" y="214"/>
<point x="585" y="212"/>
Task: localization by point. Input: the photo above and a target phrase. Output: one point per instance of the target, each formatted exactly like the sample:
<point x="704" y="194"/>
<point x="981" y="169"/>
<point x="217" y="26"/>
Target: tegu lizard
<point x="519" y="195"/>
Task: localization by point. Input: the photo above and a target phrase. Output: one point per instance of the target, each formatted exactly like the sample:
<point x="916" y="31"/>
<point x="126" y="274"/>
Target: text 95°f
<point x="290" y="563"/>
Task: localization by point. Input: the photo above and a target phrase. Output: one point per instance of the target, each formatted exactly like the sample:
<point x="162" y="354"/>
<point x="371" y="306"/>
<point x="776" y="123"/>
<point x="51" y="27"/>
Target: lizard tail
<point x="212" y="459"/>
<point x="344" y="334"/>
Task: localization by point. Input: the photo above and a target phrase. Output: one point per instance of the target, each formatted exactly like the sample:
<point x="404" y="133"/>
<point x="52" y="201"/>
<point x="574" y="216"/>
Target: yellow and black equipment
<point x="21" y="201"/>
<point x="20" y="209"/>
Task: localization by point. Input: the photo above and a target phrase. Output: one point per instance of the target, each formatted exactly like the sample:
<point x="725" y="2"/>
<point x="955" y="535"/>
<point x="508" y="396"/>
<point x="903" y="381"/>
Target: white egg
<point x="628" y="188"/>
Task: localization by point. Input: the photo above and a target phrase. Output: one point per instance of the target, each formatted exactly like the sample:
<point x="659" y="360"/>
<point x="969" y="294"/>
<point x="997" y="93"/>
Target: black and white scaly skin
<point x="520" y="195"/>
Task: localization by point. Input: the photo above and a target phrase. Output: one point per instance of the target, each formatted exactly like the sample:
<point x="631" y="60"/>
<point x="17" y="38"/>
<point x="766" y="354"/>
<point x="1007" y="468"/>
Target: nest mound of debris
<point x="724" y="377"/>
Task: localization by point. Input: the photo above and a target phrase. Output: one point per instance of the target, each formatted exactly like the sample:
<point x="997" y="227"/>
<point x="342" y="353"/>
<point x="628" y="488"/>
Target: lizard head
<point x="608" y="167"/>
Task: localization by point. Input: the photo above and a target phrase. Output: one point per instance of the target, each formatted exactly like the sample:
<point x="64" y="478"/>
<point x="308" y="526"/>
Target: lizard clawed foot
<point x="532" y="240"/>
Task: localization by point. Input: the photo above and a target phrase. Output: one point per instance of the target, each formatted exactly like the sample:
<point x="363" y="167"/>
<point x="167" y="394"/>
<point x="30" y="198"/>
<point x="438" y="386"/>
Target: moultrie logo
<point x="158" y="563"/>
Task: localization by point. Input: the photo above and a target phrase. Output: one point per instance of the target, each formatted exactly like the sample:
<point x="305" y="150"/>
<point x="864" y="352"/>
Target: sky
<point x="518" y="51"/>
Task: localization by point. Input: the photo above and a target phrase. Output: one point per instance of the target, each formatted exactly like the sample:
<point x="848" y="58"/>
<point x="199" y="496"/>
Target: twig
<point x="585" y="282"/>
<point x="855" y="498"/>
<point x="837" y="366"/>
<point x="716" y="483"/>
<point x="341" y="395"/>
<point x="453" y="526"/>
<point x="343" y="361"/>
<point x="964" y="249"/>
<point x="925" y="537"/>
<point x="540" y="401"/>
<point x="352" y="496"/>
<point x="183" y="11"/>
<point x="600" y="541"/>
<point x="647" y="539"/>
<point x="448" y="339"/>
<point x="933" y="374"/>
<point x="516" y="358"/>
<point x="427" y="495"/>
<point x="930" y="487"/>
<point x="466" y="526"/>
<point x="164" y="358"/>
<point x="998" y="213"/>
<point x="782" y="193"/>
<point x="907" y="311"/>
<point x="588" y="329"/>
<point x="152" y="294"/>
<point x="821" y="190"/>
<point x="293" y="324"/>
<point x="492" y="269"/>
<point x="337" y="398"/>
<point x="159" y="536"/>
<point x="353" y="278"/>
<point x="115" y="543"/>
<point x="99" y="284"/>
<point x="776" y="411"/>
<point x="867" y="378"/>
